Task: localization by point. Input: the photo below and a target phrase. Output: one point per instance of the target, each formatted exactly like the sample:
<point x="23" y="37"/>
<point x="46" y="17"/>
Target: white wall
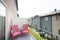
<point x="11" y="12"/>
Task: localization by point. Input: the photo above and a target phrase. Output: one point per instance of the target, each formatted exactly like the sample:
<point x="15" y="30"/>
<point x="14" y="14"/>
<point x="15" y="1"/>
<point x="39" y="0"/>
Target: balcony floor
<point x="24" y="37"/>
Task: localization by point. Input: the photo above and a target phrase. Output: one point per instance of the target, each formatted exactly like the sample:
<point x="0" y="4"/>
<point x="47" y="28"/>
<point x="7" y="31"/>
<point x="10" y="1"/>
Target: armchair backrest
<point x="25" y="27"/>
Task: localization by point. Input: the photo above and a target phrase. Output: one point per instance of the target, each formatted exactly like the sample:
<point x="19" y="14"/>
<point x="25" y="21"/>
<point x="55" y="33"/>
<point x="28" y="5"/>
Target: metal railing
<point x="46" y="35"/>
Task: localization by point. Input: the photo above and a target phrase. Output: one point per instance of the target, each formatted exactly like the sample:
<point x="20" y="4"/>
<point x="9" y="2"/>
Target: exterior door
<point x="2" y="21"/>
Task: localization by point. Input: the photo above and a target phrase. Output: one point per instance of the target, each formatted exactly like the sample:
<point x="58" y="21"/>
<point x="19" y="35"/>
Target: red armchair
<point x="15" y="31"/>
<point x="25" y="29"/>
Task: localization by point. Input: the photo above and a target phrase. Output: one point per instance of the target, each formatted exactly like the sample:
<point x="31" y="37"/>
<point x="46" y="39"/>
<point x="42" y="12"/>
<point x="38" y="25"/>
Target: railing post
<point x="56" y="37"/>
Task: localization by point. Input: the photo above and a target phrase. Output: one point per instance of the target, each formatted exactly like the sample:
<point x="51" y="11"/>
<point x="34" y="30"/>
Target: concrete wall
<point x="55" y="24"/>
<point x="11" y="12"/>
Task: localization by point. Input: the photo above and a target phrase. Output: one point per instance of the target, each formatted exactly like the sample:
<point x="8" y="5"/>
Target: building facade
<point x="11" y="12"/>
<point x="42" y="22"/>
<point x="50" y="23"/>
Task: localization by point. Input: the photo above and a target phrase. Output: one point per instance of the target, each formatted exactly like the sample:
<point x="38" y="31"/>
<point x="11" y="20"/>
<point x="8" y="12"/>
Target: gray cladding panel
<point x="36" y="21"/>
<point x="47" y="24"/>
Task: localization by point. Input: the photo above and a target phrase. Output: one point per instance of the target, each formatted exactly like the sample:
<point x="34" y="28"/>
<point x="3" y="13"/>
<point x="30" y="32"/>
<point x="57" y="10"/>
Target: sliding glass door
<point x="2" y="21"/>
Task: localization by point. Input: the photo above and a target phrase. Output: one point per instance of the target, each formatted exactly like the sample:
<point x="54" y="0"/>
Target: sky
<point x="29" y="8"/>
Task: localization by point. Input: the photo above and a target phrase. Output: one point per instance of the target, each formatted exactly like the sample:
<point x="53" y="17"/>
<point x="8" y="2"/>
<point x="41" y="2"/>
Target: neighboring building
<point x="54" y="24"/>
<point x="42" y="22"/>
<point x="10" y="11"/>
<point x="50" y="23"/>
<point x="36" y="22"/>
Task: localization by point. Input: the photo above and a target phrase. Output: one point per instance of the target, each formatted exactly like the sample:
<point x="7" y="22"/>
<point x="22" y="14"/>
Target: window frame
<point x="46" y="18"/>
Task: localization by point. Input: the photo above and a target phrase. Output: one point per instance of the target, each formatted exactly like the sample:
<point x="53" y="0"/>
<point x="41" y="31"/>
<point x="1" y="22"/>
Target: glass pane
<point x="46" y="18"/>
<point x="2" y="10"/>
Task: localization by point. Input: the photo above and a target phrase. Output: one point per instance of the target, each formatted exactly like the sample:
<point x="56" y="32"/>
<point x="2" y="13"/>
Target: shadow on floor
<point x="23" y="37"/>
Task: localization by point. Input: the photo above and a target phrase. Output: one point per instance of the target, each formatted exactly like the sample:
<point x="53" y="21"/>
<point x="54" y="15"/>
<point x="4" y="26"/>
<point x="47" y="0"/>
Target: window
<point x="58" y="17"/>
<point x="59" y="32"/>
<point x="46" y="18"/>
<point x="2" y="10"/>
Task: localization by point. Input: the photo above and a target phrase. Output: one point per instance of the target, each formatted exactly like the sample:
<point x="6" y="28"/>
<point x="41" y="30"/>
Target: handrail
<point x="50" y="32"/>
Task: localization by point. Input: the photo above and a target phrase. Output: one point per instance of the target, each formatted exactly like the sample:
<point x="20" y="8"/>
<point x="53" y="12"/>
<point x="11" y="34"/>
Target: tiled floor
<point x="24" y="37"/>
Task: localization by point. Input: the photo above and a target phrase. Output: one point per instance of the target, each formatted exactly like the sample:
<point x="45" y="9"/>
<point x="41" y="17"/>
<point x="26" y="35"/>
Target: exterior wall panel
<point x="55" y="24"/>
<point x="46" y="24"/>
